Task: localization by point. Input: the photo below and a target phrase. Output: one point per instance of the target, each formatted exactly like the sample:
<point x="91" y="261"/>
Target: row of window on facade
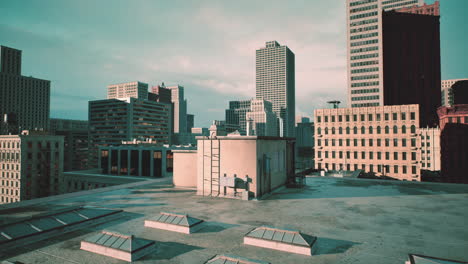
<point x="339" y="142"/>
<point x="380" y="168"/>
<point x="363" y="130"/>
<point x="370" y="117"/>
<point x="370" y="155"/>
<point x="7" y="166"/>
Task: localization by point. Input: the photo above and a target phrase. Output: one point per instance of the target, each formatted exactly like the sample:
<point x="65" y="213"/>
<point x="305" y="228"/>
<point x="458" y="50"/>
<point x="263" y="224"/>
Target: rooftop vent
<point x="175" y="222"/>
<point x="225" y="259"/>
<point x="119" y="246"/>
<point x="291" y="241"/>
<point x="45" y="226"/>
<point x="420" y="259"/>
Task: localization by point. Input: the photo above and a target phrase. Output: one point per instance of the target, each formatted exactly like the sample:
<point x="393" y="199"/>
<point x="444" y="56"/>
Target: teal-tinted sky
<point x="207" y="46"/>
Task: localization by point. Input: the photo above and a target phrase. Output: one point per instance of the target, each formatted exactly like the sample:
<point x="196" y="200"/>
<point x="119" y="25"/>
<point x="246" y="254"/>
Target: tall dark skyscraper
<point x="25" y="99"/>
<point x="411" y="61"/>
<point x="275" y="82"/>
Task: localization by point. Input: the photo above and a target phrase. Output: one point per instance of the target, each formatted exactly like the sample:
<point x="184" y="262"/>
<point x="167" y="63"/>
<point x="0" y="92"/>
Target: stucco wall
<point x="185" y="169"/>
<point x="275" y="151"/>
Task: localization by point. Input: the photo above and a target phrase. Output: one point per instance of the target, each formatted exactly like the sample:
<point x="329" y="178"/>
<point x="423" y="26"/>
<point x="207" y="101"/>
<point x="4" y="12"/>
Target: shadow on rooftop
<point x="69" y="239"/>
<point x="162" y="191"/>
<point x="327" y="246"/>
<point x="169" y="250"/>
<point x="214" y="227"/>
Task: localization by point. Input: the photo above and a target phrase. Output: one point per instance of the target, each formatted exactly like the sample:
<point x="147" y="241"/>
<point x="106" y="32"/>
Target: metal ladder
<point x="215" y="166"/>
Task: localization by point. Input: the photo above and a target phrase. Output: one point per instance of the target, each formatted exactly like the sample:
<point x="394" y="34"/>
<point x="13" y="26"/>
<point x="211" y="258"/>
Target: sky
<point x="207" y="46"/>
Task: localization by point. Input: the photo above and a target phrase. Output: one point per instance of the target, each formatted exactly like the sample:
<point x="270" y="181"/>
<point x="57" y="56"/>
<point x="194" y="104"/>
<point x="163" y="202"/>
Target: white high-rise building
<point x="261" y="119"/>
<point x="275" y="82"/>
<point x="179" y="110"/>
<point x="365" y="49"/>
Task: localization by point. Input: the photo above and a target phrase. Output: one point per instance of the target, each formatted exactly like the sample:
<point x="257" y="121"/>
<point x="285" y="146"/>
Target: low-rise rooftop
<point x="354" y="220"/>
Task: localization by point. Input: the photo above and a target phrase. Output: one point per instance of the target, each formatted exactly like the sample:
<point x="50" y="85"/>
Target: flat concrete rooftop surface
<point x="356" y="221"/>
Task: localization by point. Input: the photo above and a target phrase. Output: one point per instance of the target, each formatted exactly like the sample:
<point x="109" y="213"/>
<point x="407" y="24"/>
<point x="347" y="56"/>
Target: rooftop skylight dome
<point x="182" y="223"/>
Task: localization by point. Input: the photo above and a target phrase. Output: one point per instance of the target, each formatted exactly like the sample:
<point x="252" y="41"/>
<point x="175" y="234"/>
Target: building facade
<point x="446" y="89"/>
<point x="190" y="122"/>
<point x="305" y="144"/>
<point x="275" y="82"/>
<point x="31" y="166"/>
<point x="369" y="38"/>
<point x="131" y="89"/>
<point x="115" y="120"/>
<point x="236" y="114"/>
<point x="454" y="143"/>
<point x="26" y="100"/>
<point x="382" y="140"/>
<point x="430" y="149"/>
<point x="75" y="133"/>
<point x="261" y="121"/>
<point x="164" y="94"/>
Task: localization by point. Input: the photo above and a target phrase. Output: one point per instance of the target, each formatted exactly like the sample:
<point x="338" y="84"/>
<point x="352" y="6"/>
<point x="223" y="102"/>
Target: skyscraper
<point x="261" y="120"/>
<point x="394" y="57"/>
<point x="26" y="100"/>
<point x="179" y="109"/>
<point x="275" y="82"/>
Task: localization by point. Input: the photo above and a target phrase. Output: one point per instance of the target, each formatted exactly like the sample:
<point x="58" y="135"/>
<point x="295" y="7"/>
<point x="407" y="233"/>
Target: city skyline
<point x="81" y="61"/>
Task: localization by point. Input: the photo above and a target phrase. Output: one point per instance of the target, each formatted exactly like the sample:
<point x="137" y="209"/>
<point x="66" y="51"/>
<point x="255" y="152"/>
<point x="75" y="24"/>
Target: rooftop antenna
<point x="334" y="104"/>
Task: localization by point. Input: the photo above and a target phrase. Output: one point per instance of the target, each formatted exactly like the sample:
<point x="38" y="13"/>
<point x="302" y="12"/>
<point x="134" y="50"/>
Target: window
<point x="386" y="117"/>
<point x="387" y="130"/>
<point x="413" y="155"/>
<point x="340" y="118"/>
<point x="355" y="130"/>
<point x="404" y="169"/>
<point x="326" y="131"/>
<point x="413" y="129"/>
<point x="340" y="130"/>
<point x="333" y="154"/>
<point x="319" y="131"/>
<point x="363" y="155"/>
<point x="333" y="118"/>
<point x="403" y="116"/>
<point x="333" y="131"/>
<point x="403" y="142"/>
<point x="340" y="154"/>
<point x="371" y="155"/>
<point x="363" y="130"/>
<point x="355" y="142"/>
<point x="395" y="142"/>
<point x="363" y="117"/>
<point x="379" y="142"/>
<point x="413" y="169"/>
<point x="347" y="142"/>
<point x="326" y="154"/>
<point x="348" y="155"/>
<point x="387" y="155"/>
<point x="403" y="129"/>
<point x="395" y="130"/>
<point x="371" y="142"/>
<point x="387" y="142"/>
<point x="340" y="142"/>
<point x="319" y="154"/>
<point x="355" y="155"/>
<point x="413" y="142"/>
<point x="326" y="119"/>
<point x="395" y="155"/>
<point x="319" y="119"/>
<point x="378" y="117"/>
<point x="369" y="117"/>
<point x="363" y="142"/>
<point x="403" y="155"/>
<point x="395" y="169"/>
<point x="347" y="130"/>
<point x="395" y="116"/>
<point x="413" y="115"/>
<point x="333" y="142"/>
<point x="378" y="130"/>
<point x="379" y="155"/>
<point x="319" y="142"/>
<point x="355" y="118"/>
<point x="347" y="118"/>
<point x="326" y="142"/>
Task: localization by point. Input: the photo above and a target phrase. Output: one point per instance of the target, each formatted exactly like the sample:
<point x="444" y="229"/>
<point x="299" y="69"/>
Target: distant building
<point x="179" y="109"/>
<point x="261" y="121"/>
<point x="382" y="140"/>
<point x="131" y="89"/>
<point x="454" y="143"/>
<point x="190" y="122"/>
<point x="201" y="131"/>
<point x="226" y="127"/>
<point x="163" y="93"/>
<point x="430" y="149"/>
<point x="236" y="114"/>
<point x="75" y="134"/>
<point x="275" y="82"/>
<point x="112" y="121"/>
<point x="302" y="119"/>
<point x="25" y="101"/>
<point x="447" y="93"/>
<point x="304" y="144"/>
<point x="31" y="166"/>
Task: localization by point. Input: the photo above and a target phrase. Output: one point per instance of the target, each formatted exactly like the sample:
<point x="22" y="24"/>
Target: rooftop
<point x="355" y="221"/>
